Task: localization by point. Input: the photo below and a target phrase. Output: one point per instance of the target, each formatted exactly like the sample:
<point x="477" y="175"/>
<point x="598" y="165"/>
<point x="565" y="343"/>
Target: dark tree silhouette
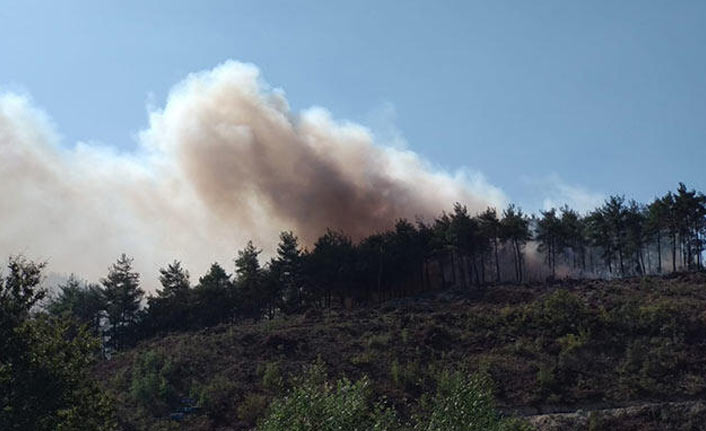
<point x="44" y="362"/>
<point x="287" y="271"/>
<point x="214" y="298"/>
<point x="515" y="230"/>
<point x="171" y="308"/>
<point x="550" y="236"/>
<point x="249" y="281"/>
<point x="80" y="301"/>
<point x="490" y="230"/>
<point x="122" y="293"/>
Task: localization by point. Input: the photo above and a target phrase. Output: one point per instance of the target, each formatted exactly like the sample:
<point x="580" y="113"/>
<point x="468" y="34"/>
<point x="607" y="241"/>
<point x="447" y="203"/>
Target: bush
<point x="562" y="313"/>
<point x="316" y="405"/>
<point x="464" y="403"/>
<point x="272" y="379"/>
<point x="649" y="366"/>
<point x="150" y="384"/>
<point x="217" y="395"/>
<point x="461" y="403"/>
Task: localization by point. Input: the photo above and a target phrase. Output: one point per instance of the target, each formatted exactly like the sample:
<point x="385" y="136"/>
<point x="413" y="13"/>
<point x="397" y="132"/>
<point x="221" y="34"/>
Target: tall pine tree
<point x="122" y="293"/>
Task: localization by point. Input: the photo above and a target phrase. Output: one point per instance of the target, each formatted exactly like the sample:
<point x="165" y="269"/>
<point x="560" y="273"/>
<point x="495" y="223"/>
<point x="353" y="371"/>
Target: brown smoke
<point x="224" y="161"/>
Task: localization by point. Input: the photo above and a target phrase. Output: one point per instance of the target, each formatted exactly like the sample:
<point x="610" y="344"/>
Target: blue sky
<point x="546" y="98"/>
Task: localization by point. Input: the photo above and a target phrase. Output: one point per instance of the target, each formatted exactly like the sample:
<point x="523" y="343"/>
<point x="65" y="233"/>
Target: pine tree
<point x="170" y="309"/>
<point x="214" y="297"/>
<point x="515" y="230"/>
<point x="122" y="293"/>
<point x="249" y="281"/>
<point x="490" y="229"/>
<point x="550" y="237"/>
<point x="655" y="225"/>
<point x="287" y="268"/>
<point x="174" y="280"/>
<point x="573" y="236"/>
<point x="82" y="302"/>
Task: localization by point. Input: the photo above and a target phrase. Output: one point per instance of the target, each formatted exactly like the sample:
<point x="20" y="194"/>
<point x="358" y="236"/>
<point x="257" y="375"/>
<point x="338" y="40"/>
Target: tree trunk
<point x="659" y="253"/>
<point x="674" y="252"/>
<point x="443" y="273"/>
<point x="497" y="261"/>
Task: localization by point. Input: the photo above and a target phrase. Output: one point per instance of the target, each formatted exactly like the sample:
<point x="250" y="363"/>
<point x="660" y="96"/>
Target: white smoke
<point x="224" y="161"/>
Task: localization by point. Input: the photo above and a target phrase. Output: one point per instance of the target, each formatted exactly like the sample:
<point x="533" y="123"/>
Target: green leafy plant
<point x="314" y="404"/>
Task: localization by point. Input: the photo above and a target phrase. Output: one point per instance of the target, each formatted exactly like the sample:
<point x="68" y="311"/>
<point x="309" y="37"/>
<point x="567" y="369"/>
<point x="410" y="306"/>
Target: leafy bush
<point x="316" y="405"/>
<point x="272" y="379"/>
<point x="150" y="384"/>
<point x="647" y="364"/>
<point x="664" y="319"/>
<point x="558" y="314"/>
<point x="217" y="395"/>
<point x="561" y="313"/>
<point x="461" y="403"/>
<point x="464" y="403"/>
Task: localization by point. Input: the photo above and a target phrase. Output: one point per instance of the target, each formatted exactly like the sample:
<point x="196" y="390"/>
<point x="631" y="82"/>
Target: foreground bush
<point x="464" y="403"/>
<point x="461" y="403"/>
<point x="315" y="404"/>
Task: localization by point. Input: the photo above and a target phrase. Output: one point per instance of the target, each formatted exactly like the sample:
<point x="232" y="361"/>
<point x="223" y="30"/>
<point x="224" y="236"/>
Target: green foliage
<point x="646" y="364"/>
<point x="44" y="363"/>
<point x="82" y="302"/>
<point x="572" y="345"/>
<point x="150" y="385"/>
<point x="287" y="270"/>
<point x="216" y="397"/>
<point x="250" y="297"/>
<point x="122" y="293"/>
<point x="313" y="404"/>
<point x="463" y="403"/>
<point x="214" y="297"/>
<point x="272" y="379"/>
<point x="559" y="314"/>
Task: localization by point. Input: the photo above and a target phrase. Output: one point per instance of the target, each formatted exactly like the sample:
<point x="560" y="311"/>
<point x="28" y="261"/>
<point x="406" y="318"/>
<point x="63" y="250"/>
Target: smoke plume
<point x="224" y="161"/>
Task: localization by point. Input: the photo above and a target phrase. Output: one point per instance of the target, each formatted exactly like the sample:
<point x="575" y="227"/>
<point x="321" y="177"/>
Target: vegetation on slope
<point x="557" y="347"/>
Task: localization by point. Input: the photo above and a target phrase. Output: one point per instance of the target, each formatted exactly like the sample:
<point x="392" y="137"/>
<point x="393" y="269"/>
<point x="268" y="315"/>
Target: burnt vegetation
<point x="511" y="313"/>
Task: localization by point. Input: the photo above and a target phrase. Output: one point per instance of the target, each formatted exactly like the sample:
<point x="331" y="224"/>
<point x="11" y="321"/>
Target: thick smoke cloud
<point x="224" y="161"/>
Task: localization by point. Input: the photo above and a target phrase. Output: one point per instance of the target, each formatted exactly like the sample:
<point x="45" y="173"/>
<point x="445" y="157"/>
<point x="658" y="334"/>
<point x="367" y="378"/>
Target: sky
<point x="545" y="98"/>
<point x="108" y="111"/>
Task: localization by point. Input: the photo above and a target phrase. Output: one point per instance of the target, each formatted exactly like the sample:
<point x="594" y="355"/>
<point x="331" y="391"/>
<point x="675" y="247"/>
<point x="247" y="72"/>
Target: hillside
<point x="588" y="345"/>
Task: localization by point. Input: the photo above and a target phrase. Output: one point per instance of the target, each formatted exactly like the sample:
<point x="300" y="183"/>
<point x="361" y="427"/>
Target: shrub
<point x="272" y="379"/>
<point x="561" y="313"/>
<point x="217" y="395"/>
<point x="649" y="366"/>
<point x="313" y="404"/>
<point x="464" y="403"/>
<point x="150" y="385"/>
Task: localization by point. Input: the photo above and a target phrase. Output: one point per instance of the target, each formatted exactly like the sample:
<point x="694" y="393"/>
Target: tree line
<point x="457" y="249"/>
